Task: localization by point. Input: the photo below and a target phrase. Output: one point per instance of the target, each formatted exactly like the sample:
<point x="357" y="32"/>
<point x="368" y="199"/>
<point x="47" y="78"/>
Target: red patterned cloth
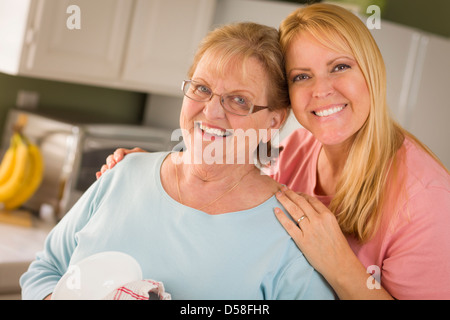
<point x="139" y="290"/>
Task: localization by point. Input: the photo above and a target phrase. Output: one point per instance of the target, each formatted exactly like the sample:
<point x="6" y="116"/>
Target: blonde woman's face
<point x="329" y="95"/>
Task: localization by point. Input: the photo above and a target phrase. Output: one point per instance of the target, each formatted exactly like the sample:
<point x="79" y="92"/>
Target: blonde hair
<point x="238" y="42"/>
<point x="372" y="157"/>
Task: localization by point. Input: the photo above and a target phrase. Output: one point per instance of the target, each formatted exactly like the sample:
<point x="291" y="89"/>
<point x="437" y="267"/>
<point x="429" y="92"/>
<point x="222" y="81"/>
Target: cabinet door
<point x="93" y="52"/>
<point x="164" y="37"/>
<point x="430" y="108"/>
<point x="398" y="45"/>
<point x="13" y="22"/>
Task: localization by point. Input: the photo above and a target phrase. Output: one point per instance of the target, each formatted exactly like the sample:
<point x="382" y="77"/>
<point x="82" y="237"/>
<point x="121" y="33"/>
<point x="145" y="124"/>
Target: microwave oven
<point x="73" y="151"/>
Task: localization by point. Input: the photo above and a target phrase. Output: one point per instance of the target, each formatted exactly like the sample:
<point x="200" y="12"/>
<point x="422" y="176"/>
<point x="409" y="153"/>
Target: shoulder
<point x="414" y="228"/>
<point x="417" y="219"/>
<point x="144" y="157"/>
<point x="134" y="169"/>
<point x="420" y="198"/>
<point x="134" y="162"/>
<point x="296" y="156"/>
<point x="420" y="170"/>
<point x="299" y="274"/>
<point x="300" y="139"/>
<point x="299" y="146"/>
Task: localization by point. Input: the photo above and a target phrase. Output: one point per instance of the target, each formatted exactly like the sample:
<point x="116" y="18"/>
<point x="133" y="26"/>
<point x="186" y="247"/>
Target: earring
<point x="272" y="123"/>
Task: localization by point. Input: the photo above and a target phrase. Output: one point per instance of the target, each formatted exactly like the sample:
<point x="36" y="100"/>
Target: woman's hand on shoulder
<point x="316" y="232"/>
<point x="314" y="229"/>
<point x="115" y="158"/>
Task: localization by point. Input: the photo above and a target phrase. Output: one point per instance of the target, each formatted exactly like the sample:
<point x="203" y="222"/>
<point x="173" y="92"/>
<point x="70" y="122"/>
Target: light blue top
<point x="238" y="255"/>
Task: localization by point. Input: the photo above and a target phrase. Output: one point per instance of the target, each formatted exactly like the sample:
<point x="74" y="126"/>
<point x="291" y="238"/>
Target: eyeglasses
<point x="237" y="104"/>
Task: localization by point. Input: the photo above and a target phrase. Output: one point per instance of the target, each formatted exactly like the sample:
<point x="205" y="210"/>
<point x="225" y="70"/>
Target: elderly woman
<point x="204" y="228"/>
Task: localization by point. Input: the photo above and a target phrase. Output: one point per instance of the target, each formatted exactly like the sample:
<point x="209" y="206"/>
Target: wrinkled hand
<point x="318" y="234"/>
<point x="115" y="158"/>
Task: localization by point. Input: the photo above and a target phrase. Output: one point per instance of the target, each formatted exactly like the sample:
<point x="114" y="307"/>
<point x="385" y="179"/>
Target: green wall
<point x="427" y="15"/>
<point x="111" y="105"/>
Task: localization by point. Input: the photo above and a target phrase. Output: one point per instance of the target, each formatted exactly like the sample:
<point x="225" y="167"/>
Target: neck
<point x="195" y="174"/>
<point x="331" y="163"/>
<point x="210" y="187"/>
<point x="198" y="170"/>
<point x="335" y="158"/>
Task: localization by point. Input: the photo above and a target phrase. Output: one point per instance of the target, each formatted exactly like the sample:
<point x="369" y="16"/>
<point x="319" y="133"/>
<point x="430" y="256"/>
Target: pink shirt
<point x="410" y="252"/>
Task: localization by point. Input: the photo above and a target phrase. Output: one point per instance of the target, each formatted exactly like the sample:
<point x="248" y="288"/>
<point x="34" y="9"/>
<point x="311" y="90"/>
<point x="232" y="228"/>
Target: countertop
<point x="18" y="248"/>
<point x="20" y="244"/>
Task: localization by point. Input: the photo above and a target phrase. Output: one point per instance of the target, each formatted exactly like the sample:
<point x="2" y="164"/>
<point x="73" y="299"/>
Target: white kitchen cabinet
<point x="164" y="37"/>
<point x="417" y="71"/>
<point x="429" y="115"/>
<point x="142" y="45"/>
<point x="13" y="19"/>
<point x="95" y="51"/>
<point x="398" y="45"/>
<point x="87" y="55"/>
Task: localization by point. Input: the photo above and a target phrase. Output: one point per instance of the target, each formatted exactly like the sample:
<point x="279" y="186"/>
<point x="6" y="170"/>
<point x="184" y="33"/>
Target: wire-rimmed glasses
<point x="235" y="103"/>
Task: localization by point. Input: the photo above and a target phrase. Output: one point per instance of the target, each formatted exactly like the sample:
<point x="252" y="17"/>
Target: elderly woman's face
<point x="218" y="133"/>
<point x="328" y="91"/>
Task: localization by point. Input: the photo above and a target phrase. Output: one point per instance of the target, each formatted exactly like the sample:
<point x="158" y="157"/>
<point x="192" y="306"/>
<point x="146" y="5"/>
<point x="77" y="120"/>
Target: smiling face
<point x="329" y="95"/>
<point x="212" y="124"/>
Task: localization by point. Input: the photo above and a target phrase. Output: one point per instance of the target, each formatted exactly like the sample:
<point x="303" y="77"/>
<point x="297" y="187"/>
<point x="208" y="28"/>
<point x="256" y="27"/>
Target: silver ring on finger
<point x="300" y="219"/>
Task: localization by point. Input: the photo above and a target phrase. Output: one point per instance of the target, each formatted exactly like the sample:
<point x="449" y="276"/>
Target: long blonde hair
<point x="372" y="157"/>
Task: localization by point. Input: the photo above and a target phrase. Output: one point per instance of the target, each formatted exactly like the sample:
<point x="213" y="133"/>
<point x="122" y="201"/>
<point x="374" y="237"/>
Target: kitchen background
<point x="123" y="105"/>
<point x="126" y="63"/>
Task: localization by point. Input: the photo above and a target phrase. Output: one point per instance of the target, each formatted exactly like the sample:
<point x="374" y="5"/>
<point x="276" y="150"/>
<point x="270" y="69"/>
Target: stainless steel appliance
<point x="74" y="150"/>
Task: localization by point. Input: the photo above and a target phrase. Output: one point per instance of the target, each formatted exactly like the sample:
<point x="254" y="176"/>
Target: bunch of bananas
<point x="21" y="172"/>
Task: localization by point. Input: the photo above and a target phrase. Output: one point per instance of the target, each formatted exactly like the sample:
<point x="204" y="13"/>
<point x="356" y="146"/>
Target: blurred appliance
<point x="74" y="151"/>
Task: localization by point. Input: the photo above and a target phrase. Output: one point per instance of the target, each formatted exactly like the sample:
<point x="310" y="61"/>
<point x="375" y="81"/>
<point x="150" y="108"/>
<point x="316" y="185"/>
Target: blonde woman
<point x="374" y="200"/>
<point x="385" y="199"/>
